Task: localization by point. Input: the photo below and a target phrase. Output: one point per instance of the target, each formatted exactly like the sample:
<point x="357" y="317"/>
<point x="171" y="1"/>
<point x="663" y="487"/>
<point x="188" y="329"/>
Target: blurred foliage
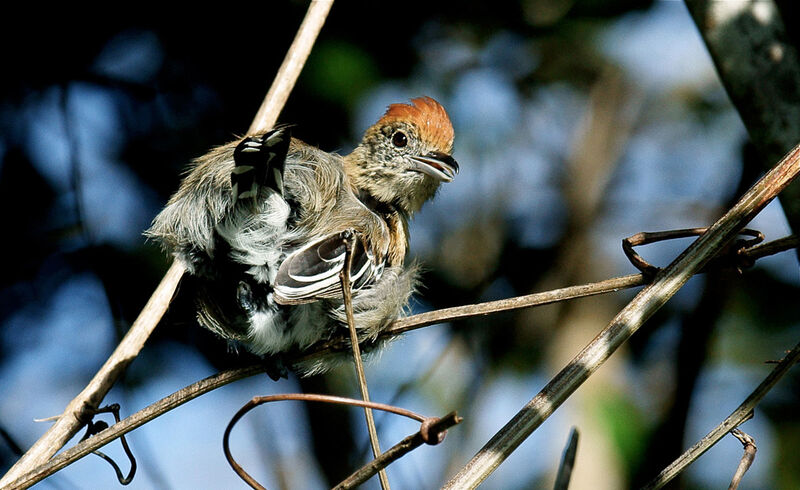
<point x="98" y="120"/>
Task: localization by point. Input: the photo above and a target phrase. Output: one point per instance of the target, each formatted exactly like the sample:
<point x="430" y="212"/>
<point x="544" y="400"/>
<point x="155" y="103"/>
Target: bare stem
<point x="359" y="365"/>
<point x="665" y="284"/>
<point x="742" y="413"/>
<point x="414" y="322"/>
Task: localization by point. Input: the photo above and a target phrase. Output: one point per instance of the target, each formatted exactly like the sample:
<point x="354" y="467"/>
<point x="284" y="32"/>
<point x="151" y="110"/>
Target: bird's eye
<point x="399" y="139"/>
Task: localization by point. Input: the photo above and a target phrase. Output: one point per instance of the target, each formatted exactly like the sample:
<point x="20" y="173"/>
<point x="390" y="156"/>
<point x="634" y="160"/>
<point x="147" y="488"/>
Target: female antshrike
<point x="261" y="224"/>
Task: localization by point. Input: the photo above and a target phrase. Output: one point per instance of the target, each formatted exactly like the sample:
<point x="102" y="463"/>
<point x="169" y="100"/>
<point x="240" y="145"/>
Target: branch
<point x="414" y="322"/>
<point x="567" y="462"/>
<point x="410" y="323"/>
<point x="742" y="413"/>
<point x="432" y="431"/>
<point x="665" y="284"/>
<point x="742" y="258"/>
<point x="278" y="94"/>
<point x="78" y="411"/>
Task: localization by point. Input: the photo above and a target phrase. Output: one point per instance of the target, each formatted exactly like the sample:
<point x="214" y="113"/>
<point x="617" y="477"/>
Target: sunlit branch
<point x="78" y="411"/>
<point x="403" y="325"/>
<point x="665" y="284"/>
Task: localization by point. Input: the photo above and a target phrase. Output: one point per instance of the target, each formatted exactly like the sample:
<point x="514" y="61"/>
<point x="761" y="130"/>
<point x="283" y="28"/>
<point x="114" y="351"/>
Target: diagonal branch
<point x="665" y="284"/>
<point x="567" y="461"/>
<point x="138" y="419"/>
<point x="296" y="57"/>
<point x="75" y="414"/>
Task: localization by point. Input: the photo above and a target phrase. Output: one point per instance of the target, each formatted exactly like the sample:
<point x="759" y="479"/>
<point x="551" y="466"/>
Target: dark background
<point x="577" y="123"/>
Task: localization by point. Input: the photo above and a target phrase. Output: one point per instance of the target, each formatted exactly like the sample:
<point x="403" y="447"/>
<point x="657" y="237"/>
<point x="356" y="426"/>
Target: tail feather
<point x="259" y="162"/>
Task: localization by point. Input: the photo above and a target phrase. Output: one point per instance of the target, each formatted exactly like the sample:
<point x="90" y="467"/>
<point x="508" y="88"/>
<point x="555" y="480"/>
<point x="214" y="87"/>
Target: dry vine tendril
<point x="93" y="428"/>
<point x="732" y="255"/>
<point x="432" y="431"/>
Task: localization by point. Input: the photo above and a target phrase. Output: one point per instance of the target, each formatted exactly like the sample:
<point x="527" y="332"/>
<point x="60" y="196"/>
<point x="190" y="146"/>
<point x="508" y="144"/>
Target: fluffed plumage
<point x="261" y="225"/>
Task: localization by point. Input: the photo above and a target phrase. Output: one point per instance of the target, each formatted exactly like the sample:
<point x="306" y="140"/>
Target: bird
<point x="263" y="223"/>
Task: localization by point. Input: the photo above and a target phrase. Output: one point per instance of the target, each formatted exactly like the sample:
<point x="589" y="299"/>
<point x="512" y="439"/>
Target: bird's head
<point x="404" y="157"/>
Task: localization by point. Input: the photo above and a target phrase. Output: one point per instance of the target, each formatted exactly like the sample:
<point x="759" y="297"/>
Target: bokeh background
<point x="578" y="123"/>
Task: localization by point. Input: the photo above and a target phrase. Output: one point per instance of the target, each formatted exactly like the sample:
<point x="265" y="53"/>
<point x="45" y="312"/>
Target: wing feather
<point x="312" y="271"/>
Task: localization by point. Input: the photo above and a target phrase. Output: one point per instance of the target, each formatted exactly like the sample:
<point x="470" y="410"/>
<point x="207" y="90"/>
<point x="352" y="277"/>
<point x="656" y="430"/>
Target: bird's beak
<point x="440" y="166"/>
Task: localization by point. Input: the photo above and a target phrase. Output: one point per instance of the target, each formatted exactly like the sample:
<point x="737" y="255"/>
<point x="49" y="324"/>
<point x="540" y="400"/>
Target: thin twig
<point x="75" y="414"/>
<point x="359" y="365"/>
<point x="645" y="238"/>
<point x="567" y="462"/>
<point x="311" y="397"/>
<point x="749" y="445"/>
<point x="665" y="284"/>
<point x="748" y="256"/>
<point x="436" y="427"/>
<point x="414" y="322"/>
<point x="771" y="248"/>
<point x="742" y="413"/>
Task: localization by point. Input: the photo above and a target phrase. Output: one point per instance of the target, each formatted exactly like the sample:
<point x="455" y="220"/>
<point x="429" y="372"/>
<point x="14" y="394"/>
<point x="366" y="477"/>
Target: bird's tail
<point x="259" y="163"/>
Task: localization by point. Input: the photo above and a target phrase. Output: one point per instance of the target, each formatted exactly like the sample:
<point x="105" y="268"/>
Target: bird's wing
<point x="312" y="271"/>
<point x="259" y="162"/>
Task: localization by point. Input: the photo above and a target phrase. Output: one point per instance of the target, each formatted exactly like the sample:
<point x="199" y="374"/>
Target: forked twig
<point x="347" y="295"/>
<point x="645" y="238"/>
<point x="742" y="413"/>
